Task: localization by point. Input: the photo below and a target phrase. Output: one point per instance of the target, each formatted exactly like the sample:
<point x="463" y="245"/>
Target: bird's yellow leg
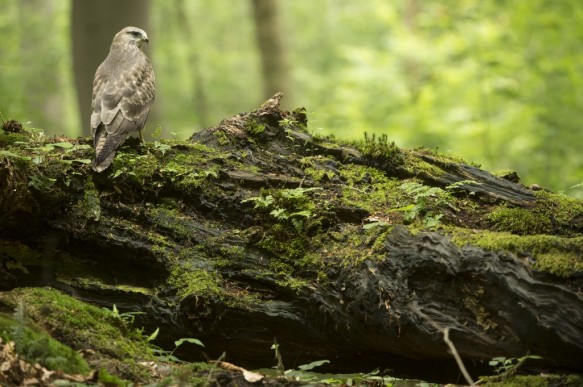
<point x="142" y="135"/>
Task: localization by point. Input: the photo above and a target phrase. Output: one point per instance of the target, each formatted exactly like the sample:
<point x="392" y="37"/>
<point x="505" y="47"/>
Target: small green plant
<point x="157" y="133"/>
<point x="507" y="366"/>
<point x="290" y="204"/>
<point x="279" y="367"/>
<point x="111" y="380"/>
<point x="126" y="317"/>
<point x="42" y="183"/>
<point x="161" y="147"/>
<point x="426" y="201"/>
<point x="288" y="123"/>
<point x="305" y="373"/>
<point x="168" y="356"/>
<point x="379" y="147"/>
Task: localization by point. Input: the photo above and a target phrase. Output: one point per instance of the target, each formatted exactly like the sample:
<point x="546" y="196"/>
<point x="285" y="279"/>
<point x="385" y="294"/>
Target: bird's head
<point x="131" y="35"/>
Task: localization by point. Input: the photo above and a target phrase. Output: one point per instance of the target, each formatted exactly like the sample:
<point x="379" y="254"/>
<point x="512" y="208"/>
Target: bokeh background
<point x="498" y="82"/>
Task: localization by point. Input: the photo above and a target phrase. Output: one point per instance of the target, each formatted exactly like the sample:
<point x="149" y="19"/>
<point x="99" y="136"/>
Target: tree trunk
<point x="255" y="230"/>
<point x="270" y="40"/>
<point x="43" y="100"/>
<point x="199" y="97"/>
<point x="94" y="23"/>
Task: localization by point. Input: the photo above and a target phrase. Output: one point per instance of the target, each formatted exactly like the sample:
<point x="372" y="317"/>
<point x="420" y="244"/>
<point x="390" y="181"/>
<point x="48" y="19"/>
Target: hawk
<point x="123" y="91"/>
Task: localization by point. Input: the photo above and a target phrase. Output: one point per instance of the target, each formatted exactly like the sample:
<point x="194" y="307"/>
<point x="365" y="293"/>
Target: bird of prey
<point x="123" y="91"/>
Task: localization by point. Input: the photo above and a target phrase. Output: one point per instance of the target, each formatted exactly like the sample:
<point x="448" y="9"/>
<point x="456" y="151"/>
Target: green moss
<point x="78" y="325"/>
<point x="35" y="345"/>
<point x="519" y="221"/>
<point x="189" y="171"/>
<point x="379" y="147"/>
<point x="419" y="167"/>
<point x="285" y="246"/>
<point x="565" y="212"/>
<point x="91" y="204"/>
<point x="170" y="219"/>
<point x="254" y="128"/>
<point x="535" y="381"/>
<point x="315" y="166"/>
<point x="563" y="264"/>
<point x="508" y="174"/>
<point x="134" y="167"/>
<point x="9" y="138"/>
<point x="349" y="246"/>
<point x="551" y="214"/>
<point x="371" y="189"/>
<point x="197" y="282"/>
<point x="554" y="254"/>
<point x="16" y="158"/>
<point x="222" y="137"/>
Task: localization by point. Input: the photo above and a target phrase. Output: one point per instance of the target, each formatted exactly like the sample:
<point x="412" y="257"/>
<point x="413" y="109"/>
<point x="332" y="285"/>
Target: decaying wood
<point x="119" y="239"/>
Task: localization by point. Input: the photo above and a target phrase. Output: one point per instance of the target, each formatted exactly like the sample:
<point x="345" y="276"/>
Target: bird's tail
<point x="105" y="148"/>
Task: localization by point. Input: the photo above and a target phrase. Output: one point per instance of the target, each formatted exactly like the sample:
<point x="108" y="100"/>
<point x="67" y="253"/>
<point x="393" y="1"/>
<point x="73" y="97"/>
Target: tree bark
<point x="251" y="231"/>
<point x="42" y="100"/>
<point x="94" y="23"/>
<point x="270" y="40"/>
<point x="199" y="97"/>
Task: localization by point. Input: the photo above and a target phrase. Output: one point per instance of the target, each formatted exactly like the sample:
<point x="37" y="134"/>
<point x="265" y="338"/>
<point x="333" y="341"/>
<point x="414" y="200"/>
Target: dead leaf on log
<point x="251" y="377"/>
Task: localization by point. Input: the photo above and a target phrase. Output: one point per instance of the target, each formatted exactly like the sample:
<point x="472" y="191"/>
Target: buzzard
<point x="123" y="91"/>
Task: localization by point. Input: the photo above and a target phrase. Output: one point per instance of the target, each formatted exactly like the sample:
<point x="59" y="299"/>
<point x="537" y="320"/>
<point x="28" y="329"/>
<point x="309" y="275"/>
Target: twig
<point x="449" y="343"/>
<point x="212" y="370"/>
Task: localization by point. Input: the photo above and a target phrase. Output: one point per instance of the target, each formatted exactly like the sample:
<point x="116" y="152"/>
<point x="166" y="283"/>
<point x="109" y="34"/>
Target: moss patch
<point x="35" y="345"/>
<point x="198" y="282"/>
<point x="519" y="221"/>
<point x="114" y="344"/>
<point x="554" y="254"/>
<point x="537" y="381"/>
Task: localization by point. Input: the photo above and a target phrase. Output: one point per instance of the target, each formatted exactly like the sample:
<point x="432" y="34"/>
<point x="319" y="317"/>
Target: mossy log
<point x="257" y="230"/>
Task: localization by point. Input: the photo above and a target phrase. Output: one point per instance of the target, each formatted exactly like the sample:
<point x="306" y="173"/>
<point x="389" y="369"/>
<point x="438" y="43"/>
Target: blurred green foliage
<point x="496" y="82"/>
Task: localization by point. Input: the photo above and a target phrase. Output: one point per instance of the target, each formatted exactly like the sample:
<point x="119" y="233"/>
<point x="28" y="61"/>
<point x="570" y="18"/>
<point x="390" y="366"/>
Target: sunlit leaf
<point x="153" y="335"/>
<point x="188" y="340"/>
<point x="312" y="365"/>
<point x="82" y="161"/>
<point x="64" y="145"/>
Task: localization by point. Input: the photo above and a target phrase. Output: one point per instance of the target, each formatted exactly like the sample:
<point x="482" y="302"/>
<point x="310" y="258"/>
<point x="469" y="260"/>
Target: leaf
<point x="279" y="213"/>
<point x="252" y="377"/>
<point x="304" y="213"/>
<point x="374" y="224"/>
<point x="64" y="145"/>
<point x="153" y="335"/>
<point x="312" y="365"/>
<point x="406" y="208"/>
<point x="82" y="161"/>
<point x="188" y="340"/>
<point x="11" y="154"/>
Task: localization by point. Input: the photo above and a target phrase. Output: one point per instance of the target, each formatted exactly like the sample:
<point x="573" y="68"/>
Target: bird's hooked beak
<point x="143" y="40"/>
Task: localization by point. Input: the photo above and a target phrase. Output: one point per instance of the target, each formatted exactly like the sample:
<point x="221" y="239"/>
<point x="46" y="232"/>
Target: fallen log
<point x="256" y="230"/>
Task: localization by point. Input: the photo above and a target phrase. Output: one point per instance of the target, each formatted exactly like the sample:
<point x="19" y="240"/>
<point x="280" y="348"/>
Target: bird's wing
<point x="120" y="104"/>
<point x="122" y="99"/>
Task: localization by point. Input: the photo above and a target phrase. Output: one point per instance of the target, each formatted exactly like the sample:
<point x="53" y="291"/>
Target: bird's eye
<point x="135" y="34"/>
